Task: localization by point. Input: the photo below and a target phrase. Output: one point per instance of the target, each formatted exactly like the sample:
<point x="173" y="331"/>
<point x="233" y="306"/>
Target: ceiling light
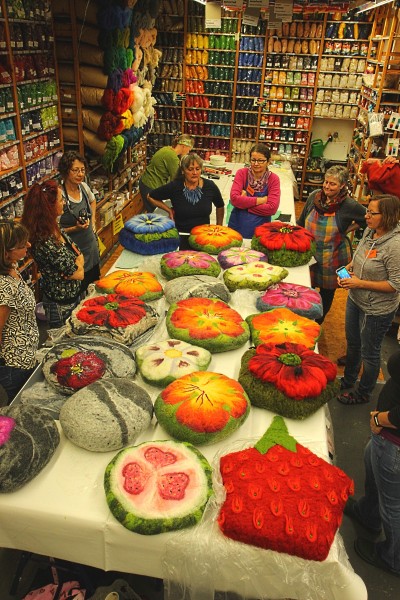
<point x="371" y="5"/>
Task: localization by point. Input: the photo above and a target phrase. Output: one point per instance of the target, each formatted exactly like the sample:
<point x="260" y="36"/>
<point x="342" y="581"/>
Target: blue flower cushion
<point x="149" y="233"/>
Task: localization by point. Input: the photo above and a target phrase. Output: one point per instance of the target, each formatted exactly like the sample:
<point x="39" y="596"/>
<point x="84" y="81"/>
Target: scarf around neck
<point x="258" y="185"/>
<point x="322" y="205"/>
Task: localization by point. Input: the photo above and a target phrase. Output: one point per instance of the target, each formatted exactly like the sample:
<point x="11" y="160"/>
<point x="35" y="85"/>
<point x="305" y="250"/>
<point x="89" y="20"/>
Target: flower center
<point x="290" y="293"/>
<point x="289" y="359"/>
<point x="285" y="230"/>
<point x="76" y="368"/>
<point x="111" y="306"/>
<point x="173" y="353"/>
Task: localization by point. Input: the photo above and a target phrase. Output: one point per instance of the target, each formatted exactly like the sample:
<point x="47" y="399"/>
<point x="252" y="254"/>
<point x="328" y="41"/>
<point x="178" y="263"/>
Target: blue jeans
<point x="364" y="337"/>
<point x="381" y="503"/>
<point x="13" y="379"/>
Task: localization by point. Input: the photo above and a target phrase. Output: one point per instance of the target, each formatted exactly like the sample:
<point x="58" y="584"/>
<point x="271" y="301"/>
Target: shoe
<point x="351" y="510"/>
<point x="352" y="398"/>
<point x="122" y="590"/>
<point x="367" y="551"/>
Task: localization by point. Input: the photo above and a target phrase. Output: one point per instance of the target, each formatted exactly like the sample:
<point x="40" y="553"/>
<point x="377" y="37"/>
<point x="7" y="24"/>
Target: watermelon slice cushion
<point x="239" y="256"/>
<point x="283" y="325"/>
<point x="302" y="300"/>
<point x="253" y="276"/>
<point x="214" y="238"/>
<point x="158" y="486"/>
<point x="188" y="262"/>
<point x="285" y="244"/>
<point x="149" y="233"/>
<point x="280" y="496"/>
<point x="140" y="284"/>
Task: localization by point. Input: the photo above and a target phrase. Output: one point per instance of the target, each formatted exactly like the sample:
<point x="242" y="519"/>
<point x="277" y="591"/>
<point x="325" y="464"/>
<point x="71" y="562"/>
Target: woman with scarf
<point x="255" y="193"/>
<point x="330" y="214"/>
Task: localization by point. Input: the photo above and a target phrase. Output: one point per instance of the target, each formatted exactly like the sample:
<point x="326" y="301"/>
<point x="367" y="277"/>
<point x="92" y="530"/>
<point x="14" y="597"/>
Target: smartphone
<point x="343" y="273"/>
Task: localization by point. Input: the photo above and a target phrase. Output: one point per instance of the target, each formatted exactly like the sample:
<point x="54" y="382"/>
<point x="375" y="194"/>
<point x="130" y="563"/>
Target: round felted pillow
<point x="140" y="284"/>
<point x="202" y="408"/>
<point x="286" y="245"/>
<point x="214" y="238"/>
<point x="288" y="379"/>
<point x="254" y="276"/>
<point x="28" y="440"/>
<point x="188" y="262"/>
<point x="73" y="364"/>
<point x="207" y="322"/>
<point x="283" y="325"/>
<point x="163" y="362"/>
<point x="106" y="415"/>
<point x="158" y="486"/>
<point x="239" y="256"/>
<point x="300" y="299"/>
<point x="149" y="233"/>
<point x="199" y="286"/>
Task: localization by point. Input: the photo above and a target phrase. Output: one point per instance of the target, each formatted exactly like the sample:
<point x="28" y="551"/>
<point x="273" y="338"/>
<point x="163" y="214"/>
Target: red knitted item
<point x="383" y="178"/>
<point x="108" y="99"/>
<point x="280" y="496"/>
<point x="110" y="125"/>
<point x="123" y="100"/>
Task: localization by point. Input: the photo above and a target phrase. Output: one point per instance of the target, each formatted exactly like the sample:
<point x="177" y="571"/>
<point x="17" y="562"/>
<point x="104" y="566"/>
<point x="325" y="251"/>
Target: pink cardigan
<point x="249" y="202"/>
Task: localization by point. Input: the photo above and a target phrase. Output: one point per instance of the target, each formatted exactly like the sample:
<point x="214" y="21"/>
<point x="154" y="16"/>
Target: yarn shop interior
<point x="160" y="386"/>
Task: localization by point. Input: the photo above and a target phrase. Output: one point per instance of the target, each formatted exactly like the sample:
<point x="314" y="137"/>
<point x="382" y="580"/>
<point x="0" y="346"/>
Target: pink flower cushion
<point x="300" y="299"/>
<point x="239" y="256"/>
<point x="283" y="325"/>
<point x="141" y="284"/>
<point x="188" y="262"/>
<point x="214" y="238"/>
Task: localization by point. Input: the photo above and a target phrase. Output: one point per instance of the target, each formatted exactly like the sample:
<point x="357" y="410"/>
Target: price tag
<point x="118" y="224"/>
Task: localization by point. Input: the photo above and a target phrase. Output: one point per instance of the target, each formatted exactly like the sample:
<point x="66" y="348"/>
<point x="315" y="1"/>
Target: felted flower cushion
<point x="286" y="245"/>
<point x="200" y="286"/>
<point x="207" y="322"/>
<point x="158" y="486"/>
<point x="202" y="407"/>
<point x="73" y="364"/>
<point x="302" y="300"/>
<point x="149" y="233"/>
<point x="214" y="238"/>
<point x="141" y="284"/>
<point x="280" y="496"/>
<point x="113" y="315"/>
<point x="254" y="276"/>
<point x="161" y="363"/>
<point x="288" y="379"/>
<point x="283" y="325"/>
<point x="239" y="256"/>
<point x="188" y="262"/>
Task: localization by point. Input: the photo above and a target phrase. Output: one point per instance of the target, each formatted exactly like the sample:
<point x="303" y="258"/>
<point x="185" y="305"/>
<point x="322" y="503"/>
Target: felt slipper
<point x="352" y="398"/>
<point x="367" y="550"/>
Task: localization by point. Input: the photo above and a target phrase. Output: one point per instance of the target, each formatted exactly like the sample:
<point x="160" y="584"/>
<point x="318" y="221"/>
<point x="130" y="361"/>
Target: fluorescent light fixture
<point x="371" y="5"/>
<point x="201" y="1"/>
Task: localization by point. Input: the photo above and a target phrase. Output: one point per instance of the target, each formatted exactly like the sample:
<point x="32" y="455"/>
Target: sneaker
<point x="352" y="398"/>
<point x="368" y="551"/>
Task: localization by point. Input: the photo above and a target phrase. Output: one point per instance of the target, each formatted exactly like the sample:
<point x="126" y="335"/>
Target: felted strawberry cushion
<point x="214" y="238"/>
<point x="288" y="379"/>
<point x="188" y="262"/>
<point x="158" y="486"/>
<point x="202" y="407"/>
<point x="286" y="245"/>
<point x="207" y="322"/>
<point x="149" y="233"/>
<point x="302" y="300"/>
<point x="161" y="363"/>
<point x="254" y="276"/>
<point x="283" y="325"/>
<point x="239" y="256"/>
<point x="140" y="284"/>
<point x="282" y="497"/>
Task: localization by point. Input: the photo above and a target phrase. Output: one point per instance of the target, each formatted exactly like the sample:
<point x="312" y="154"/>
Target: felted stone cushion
<point x="73" y="364"/>
<point x="113" y="315"/>
<point x="207" y="322"/>
<point x="214" y="238"/>
<point x="282" y="497"/>
<point x="140" y="284"/>
<point x="286" y="245"/>
<point x="158" y="486"/>
<point x="239" y="256"/>
<point x="202" y="407"/>
<point x="200" y="286"/>
<point x="302" y="300"/>
<point x="161" y="363"/>
<point x="283" y="325"/>
<point x="28" y="440"/>
<point x="254" y="276"/>
<point x="288" y="379"/>
<point x="149" y="233"/>
<point x="106" y="415"/>
<point x="188" y="262"/>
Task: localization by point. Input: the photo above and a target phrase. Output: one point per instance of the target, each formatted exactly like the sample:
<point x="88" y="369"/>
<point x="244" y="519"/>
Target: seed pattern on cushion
<point x="158" y="486"/>
<point x="288" y="379"/>
<point x="188" y="262"/>
<point x="199" y="286"/>
<point x="302" y="300"/>
<point x="286" y="245"/>
<point x="214" y="238"/>
<point x="254" y="276"/>
<point x="283" y="325"/>
<point x="239" y="256"/>
<point x="280" y="496"/>
<point x="202" y="407"/>
<point x="161" y="363"/>
<point x="149" y="233"/>
<point x="141" y="284"/>
<point x="207" y="322"/>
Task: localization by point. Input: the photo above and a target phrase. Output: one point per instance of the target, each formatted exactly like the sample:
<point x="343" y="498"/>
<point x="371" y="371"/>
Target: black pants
<point x="144" y="190"/>
<point x="327" y="299"/>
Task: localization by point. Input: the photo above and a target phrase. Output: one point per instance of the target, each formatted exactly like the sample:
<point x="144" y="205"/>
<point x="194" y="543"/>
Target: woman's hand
<point x="262" y="200"/>
<point x="372" y="424"/>
<point x="349" y="283"/>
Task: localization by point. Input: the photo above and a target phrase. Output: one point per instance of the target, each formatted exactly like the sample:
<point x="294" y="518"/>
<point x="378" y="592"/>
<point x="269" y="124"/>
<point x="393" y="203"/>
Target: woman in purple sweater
<point x="255" y="193"/>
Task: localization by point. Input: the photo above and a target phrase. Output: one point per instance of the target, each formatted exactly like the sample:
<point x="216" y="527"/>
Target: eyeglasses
<point x="260" y="161"/>
<point x="77" y="170"/>
<point x="369" y="212"/>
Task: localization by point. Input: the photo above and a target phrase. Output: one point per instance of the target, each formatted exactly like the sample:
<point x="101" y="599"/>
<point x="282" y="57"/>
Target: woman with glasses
<point x="330" y="214"/>
<point x="255" y="193"/>
<point x="79" y="217"/>
<point x="374" y="295"/>
<point x="19" y="335"/>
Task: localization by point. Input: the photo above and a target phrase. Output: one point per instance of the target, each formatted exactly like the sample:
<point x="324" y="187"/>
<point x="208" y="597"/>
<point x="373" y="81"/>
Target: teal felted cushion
<point x="302" y="300"/>
<point x="188" y="262"/>
<point x="149" y="233"/>
<point x="214" y="238"/>
<point x="253" y="276"/>
<point x="286" y="245"/>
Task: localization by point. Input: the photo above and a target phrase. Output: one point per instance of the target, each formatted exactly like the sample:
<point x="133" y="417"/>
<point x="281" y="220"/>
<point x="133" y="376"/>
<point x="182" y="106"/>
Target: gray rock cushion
<point x="200" y="286"/>
<point x="106" y="415"/>
<point x="28" y="440"/>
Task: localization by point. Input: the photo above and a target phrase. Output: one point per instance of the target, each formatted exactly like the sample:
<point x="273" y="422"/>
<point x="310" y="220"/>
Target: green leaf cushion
<point x="158" y="486"/>
<point x="285" y="244"/>
<point x="254" y="276"/>
<point x="214" y="238"/>
<point x="283" y="325"/>
<point x="140" y="284"/>
<point x="188" y="262"/>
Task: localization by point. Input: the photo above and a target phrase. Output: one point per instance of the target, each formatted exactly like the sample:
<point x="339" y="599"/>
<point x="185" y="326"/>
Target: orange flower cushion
<point x="283" y="325"/>
<point x="214" y="238"/>
<point x="139" y="284"/>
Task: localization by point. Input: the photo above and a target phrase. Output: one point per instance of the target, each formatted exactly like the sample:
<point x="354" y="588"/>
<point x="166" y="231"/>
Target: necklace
<point x="192" y="196"/>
